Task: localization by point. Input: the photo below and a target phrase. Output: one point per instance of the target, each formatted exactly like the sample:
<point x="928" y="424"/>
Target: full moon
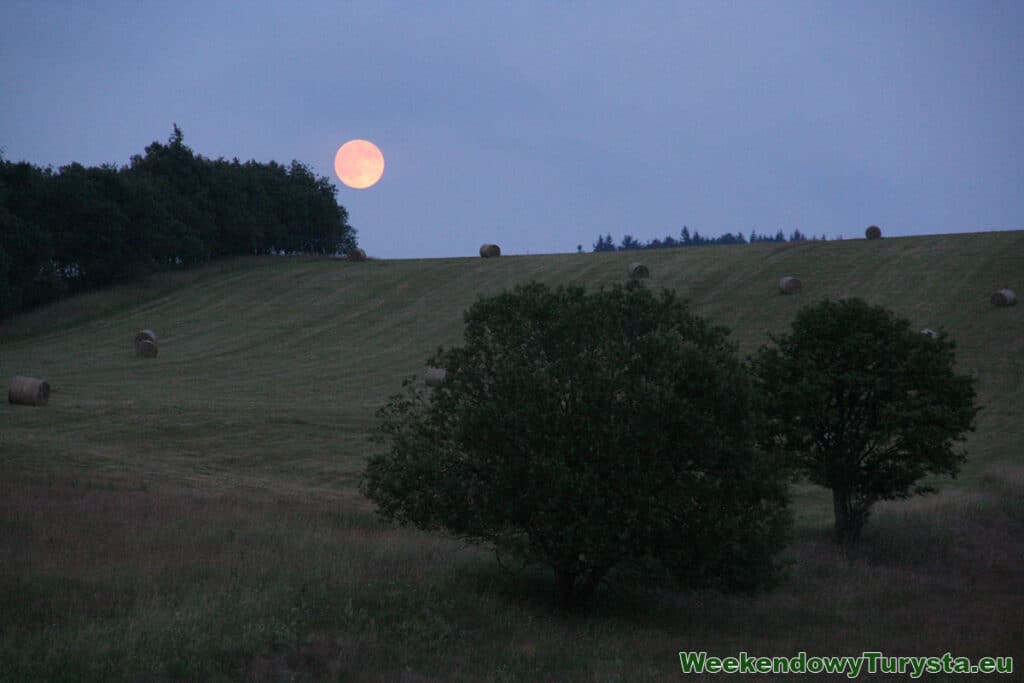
<point x="359" y="164"/>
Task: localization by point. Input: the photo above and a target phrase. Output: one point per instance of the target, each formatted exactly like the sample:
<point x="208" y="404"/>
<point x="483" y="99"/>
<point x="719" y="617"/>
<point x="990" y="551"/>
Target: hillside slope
<point x="270" y="369"/>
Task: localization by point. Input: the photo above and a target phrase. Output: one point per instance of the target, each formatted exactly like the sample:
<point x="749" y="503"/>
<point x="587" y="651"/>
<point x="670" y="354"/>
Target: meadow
<point x="195" y="517"/>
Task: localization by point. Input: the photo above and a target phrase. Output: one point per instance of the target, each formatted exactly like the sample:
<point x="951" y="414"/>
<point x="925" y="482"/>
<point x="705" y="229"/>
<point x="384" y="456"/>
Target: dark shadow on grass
<point x="620" y="599"/>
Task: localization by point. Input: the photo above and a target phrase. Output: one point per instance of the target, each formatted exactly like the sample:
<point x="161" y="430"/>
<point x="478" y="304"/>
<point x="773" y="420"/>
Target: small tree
<point x="604" y="244"/>
<point x="629" y="243"/>
<point x="588" y="433"/>
<point x="864" y="405"/>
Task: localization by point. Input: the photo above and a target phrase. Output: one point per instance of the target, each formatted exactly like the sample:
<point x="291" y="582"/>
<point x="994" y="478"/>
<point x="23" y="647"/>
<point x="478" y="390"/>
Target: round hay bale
<point x="146" y="349"/>
<point x="356" y="255"/>
<point x="1004" y="297"/>
<point x="790" y="285"/>
<point x="145" y="334"/>
<point x="873" y="232"/>
<point x="145" y="344"/>
<point x="434" y="376"/>
<point x="28" y="391"/>
<point x="490" y="250"/>
<point x="929" y="332"/>
<point x="638" y="271"/>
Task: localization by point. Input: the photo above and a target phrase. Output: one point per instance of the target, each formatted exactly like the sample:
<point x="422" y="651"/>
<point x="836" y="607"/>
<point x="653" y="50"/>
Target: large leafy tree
<point x="27" y="274"/>
<point x="89" y="225"/>
<point x="864" y="405"/>
<point x="592" y="434"/>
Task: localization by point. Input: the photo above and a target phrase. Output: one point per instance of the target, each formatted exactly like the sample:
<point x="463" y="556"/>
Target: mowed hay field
<point x="195" y="516"/>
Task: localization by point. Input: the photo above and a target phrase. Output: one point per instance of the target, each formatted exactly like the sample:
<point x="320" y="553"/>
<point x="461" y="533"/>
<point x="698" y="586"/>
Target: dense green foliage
<point x="80" y="228"/>
<point x="589" y="434"/>
<point x="864" y="405"/>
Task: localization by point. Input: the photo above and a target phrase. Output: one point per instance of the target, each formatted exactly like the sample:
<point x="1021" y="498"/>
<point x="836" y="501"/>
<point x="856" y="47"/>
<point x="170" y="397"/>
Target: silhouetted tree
<point x="27" y="274"/>
<point x="566" y="433"/>
<point x="863" y="405"/>
<point x="604" y="244"/>
<point x="628" y="243"/>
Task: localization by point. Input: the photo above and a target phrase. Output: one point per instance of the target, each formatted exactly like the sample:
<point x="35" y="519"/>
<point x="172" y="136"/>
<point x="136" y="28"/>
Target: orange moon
<point x="359" y="164"/>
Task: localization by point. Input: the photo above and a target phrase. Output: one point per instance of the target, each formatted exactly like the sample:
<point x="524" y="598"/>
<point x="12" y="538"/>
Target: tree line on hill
<point x="685" y="239"/>
<point x="79" y="228"/>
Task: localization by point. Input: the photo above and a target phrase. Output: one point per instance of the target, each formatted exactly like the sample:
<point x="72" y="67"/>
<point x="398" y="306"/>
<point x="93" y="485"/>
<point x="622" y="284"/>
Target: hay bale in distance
<point x="145" y="344"/>
<point x="638" y="271"/>
<point x="490" y="250"/>
<point x="873" y="232"/>
<point x="929" y="332"/>
<point x="1004" y="297"/>
<point x="434" y="376"/>
<point x="28" y="391"/>
<point x="144" y="335"/>
<point x="356" y="255"/>
<point x="790" y="285"/>
<point x="146" y="349"/>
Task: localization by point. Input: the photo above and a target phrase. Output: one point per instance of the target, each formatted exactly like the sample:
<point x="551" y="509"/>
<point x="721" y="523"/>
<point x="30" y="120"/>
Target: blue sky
<point x="540" y="125"/>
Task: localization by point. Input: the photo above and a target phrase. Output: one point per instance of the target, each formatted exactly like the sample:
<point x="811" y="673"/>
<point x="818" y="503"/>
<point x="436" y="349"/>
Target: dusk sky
<point x="539" y="126"/>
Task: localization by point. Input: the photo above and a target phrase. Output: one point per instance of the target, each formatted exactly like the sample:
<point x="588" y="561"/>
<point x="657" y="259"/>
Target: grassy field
<point x="196" y="517"/>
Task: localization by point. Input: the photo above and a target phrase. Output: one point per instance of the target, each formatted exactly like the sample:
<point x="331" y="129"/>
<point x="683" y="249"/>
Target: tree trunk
<point x="566" y="588"/>
<point x="845" y="522"/>
<point x="576" y="588"/>
<point x="849" y="518"/>
<point x="589" y="585"/>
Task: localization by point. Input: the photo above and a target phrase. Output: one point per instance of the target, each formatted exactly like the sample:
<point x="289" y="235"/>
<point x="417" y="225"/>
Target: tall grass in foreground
<point x="108" y="582"/>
